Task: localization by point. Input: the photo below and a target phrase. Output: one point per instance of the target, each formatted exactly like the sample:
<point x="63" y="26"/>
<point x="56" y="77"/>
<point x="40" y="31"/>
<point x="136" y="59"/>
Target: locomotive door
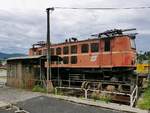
<point x="106" y="56"/>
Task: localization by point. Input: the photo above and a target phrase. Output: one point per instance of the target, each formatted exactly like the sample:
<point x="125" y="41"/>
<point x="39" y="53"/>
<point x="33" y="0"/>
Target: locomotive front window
<point x="85" y="48"/>
<point x="95" y="47"/>
<point x="58" y="51"/>
<point x="107" y="45"/>
<point x="74" y="49"/>
<point x="66" y="50"/>
<point x="73" y="59"/>
<point x="132" y="41"/>
<point x="66" y="60"/>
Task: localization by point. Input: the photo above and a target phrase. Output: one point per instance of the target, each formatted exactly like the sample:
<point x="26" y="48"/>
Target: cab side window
<point x="58" y="51"/>
<point x="84" y="48"/>
<point x="65" y="50"/>
<point x="107" y="45"/>
<point x="74" y="49"/>
<point x="94" y="47"/>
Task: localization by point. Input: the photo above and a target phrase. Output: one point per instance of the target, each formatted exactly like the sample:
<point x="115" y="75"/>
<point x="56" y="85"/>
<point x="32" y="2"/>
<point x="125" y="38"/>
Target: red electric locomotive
<point x="96" y="63"/>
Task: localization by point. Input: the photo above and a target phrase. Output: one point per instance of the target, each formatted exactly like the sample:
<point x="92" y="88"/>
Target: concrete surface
<point x="102" y="104"/>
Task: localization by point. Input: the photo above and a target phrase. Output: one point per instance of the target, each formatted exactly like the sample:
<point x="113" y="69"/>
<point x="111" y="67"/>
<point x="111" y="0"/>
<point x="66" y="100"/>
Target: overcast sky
<point x="23" y="22"/>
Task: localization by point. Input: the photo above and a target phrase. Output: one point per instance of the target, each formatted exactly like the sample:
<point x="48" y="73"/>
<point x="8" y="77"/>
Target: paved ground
<point x="43" y="104"/>
<point x="36" y="103"/>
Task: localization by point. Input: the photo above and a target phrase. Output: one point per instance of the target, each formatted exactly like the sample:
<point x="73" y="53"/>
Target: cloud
<point x="23" y="22"/>
<point x="20" y="29"/>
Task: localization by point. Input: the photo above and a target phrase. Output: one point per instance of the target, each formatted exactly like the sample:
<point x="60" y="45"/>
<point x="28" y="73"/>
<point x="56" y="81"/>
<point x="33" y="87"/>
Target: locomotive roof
<point x="104" y="35"/>
<point x="89" y="39"/>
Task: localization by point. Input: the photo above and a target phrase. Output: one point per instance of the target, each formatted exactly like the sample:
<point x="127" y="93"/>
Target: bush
<point x="39" y="88"/>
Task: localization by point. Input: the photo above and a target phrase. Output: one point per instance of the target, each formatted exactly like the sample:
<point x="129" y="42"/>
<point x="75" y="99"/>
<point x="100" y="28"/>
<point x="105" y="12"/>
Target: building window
<point x="95" y="47"/>
<point x="107" y="45"/>
<point x="66" y="60"/>
<point x="73" y="59"/>
<point x="65" y="50"/>
<point x="85" y="48"/>
<point x="52" y="51"/>
<point x="74" y="49"/>
<point x="58" y="51"/>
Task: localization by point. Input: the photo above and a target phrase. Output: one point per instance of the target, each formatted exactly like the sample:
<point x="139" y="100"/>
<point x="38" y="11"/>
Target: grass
<point x="39" y="88"/>
<point x="102" y="97"/>
<point x="144" y="102"/>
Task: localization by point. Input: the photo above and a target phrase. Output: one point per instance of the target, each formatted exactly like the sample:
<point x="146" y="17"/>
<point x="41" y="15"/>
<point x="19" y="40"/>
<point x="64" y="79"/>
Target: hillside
<point x="6" y="55"/>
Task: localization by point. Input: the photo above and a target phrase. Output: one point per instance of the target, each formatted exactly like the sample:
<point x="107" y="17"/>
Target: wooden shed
<point x="24" y="72"/>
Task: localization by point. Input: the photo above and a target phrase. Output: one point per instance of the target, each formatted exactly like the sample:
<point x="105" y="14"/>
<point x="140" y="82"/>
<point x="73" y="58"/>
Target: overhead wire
<point x="101" y="8"/>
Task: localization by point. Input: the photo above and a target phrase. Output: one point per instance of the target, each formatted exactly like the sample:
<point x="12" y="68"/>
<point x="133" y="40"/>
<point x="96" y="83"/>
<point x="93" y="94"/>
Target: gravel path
<point x="11" y="95"/>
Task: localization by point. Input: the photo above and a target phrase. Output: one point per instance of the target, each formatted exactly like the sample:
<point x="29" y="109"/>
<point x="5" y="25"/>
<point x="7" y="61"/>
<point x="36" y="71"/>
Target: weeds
<point x="101" y="96"/>
<point x="39" y="88"/>
<point x="144" y="102"/>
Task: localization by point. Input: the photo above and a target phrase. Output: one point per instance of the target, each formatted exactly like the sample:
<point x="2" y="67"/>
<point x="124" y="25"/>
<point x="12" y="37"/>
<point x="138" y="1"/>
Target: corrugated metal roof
<point x="25" y="57"/>
<point x="53" y="58"/>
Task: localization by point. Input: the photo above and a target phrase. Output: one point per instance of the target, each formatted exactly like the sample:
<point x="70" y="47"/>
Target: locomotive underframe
<point x="120" y="84"/>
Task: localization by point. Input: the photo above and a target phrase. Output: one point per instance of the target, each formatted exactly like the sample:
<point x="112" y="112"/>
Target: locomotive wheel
<point x="83" y="85"/>
<point x="87" y="85"/>
<point x="110" y="88"/>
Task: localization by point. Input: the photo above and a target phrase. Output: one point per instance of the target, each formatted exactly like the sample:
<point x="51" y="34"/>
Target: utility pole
<point x="49" y="82"/>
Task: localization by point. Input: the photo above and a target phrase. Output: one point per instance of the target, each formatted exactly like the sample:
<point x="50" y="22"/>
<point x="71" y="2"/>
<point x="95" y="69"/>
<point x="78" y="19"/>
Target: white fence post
<point x="86" y="91"/>
<point x="56" y="90"/>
